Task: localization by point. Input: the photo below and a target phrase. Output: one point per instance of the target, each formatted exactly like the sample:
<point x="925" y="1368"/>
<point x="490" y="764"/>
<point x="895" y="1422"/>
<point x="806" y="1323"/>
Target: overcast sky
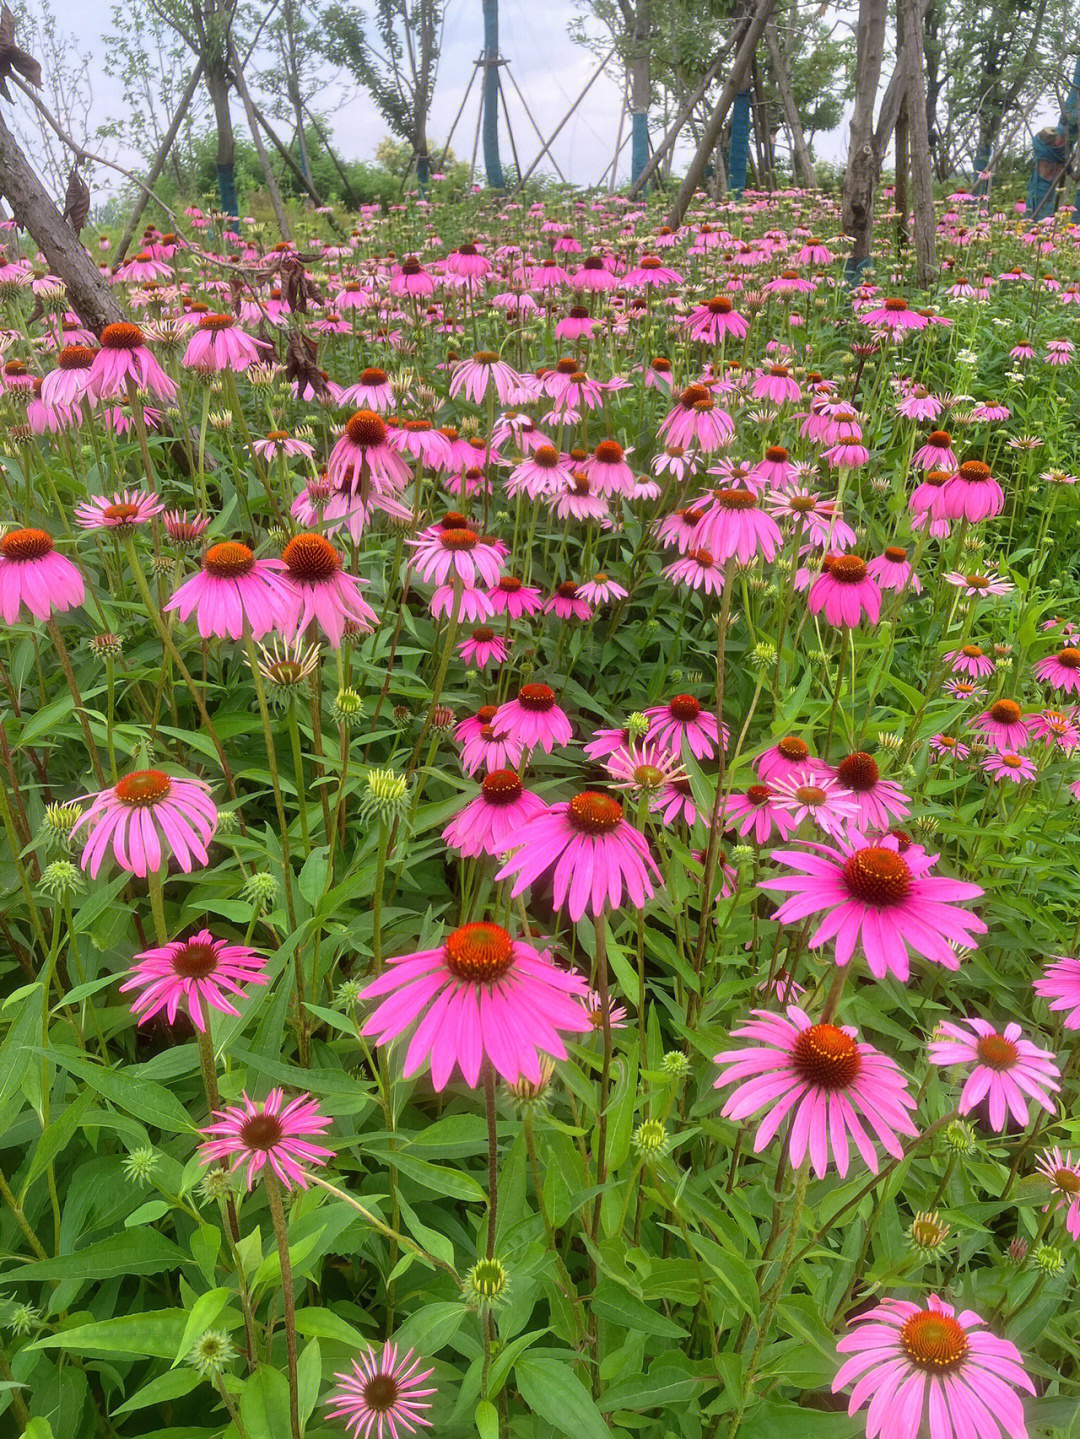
<point x="549" y="69"/>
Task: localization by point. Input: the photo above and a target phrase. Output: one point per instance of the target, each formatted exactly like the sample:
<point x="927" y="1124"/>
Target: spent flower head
<point x="212" y="1353"/>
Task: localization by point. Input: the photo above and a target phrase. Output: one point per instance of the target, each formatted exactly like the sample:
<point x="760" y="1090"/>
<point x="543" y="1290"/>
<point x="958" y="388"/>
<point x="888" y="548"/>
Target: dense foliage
<point x="350" y="864"/>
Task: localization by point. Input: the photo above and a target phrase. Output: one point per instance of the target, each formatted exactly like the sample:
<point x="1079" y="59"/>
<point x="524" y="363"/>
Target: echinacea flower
<point x="682" y="722"/>
<point x="595" y="855"/>
<point x="1005" y="725"/>
<point x="1063" y="1175"/>
<point x="124" y="360"/>
<point x="382" y="1393"/>
<point x="272" y="1135"/>
<point x="322" y="592"/>
<point x="892" y="571"/>
<point x="126" y="509"/>
<point x="219" y="344"/>
<point x="878" y="801"/>
<point x="364" y="458"/>
<point x="453" y="547"/>
<point x="197" y="971"/>
<point x="472" y="377"/>
<point x="789" y="756"/>
<point x="482" y="748"/>
<point x="1059" y="983"/>
<point x="754" y="813"/>
<point x="1061" y="670"/>
<point x="973" y="494"/>
<point x="819" y="798"/>
<point x="732" y="526"/>
<point x="498" y="811"/>
<point x="829" y="1082"/>
<point x="971" y="661"/>
<point x="893" y="315"/>
<point x="977" y="586"/>
<point x="480" y="995"/>
<point x="533" y="718"/>
<point x="845" y="591"/>
<point x="1007" y="767"/>
<point x="1007" y="1068"/>
<point x="884" y="902"/>
<point x="234" y="589"/>
<point x="483" y="647"/>
<point x="145" y="817"/>
<point x="34" y="575"/>
<point x="912" y="1362"/>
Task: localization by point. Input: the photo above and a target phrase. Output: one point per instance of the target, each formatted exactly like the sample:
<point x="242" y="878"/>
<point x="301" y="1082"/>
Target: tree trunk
<point x="640" y="90"/>
<point x="740" y="67"/>
<point x="864" y="161"/>
<point x="217" y="86"/>
<point x="902" y="147"/>
<point x="922" y="177"/>
<point x="739" y="148"/>
<point x="803" y="161"/>
<point x="143" y="198"/>
<point x="492" y="162"/>
<point x="31" y="206"/>
<point x="293" y="84"/>
<point x="260" y="149"/>
<point x="665" y="150"/>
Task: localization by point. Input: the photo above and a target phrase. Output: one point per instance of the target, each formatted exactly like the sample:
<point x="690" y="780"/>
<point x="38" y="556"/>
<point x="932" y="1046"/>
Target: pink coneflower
<point x="682" y="722"/>
<point x="642" y="768"/>
<point x="198" y="970"/>
<point x="472" y="377"/>
<point x="1061" y="670"/>
<point x="511" y="597"/>
<point x="372" y="391"/>
<point x="494" y="816"/>
<point x="1009" y="767"/>
<point x="1059" y="983"/>
<point x="483" y="647"/>
<point x="482" y="995"/>
<point x="607" y="470"/>
<point x="698" y="570"/>
<point x="65" y="384"/>
<point x="365" y="455"/>
<point x="879" y="801"/>
<point x="731" y="525"/>
<point x="593" y="275"/>
<point x="936" y="453"/>
<point x="473" y="605"/>
<point x="789" y="757"/>
<point x="651" y="272"/>
<point x="892" y="571"/>
<point x="382" y="1393"/>
<point x="280" y="442"/>
<point x="894" y="315"/>
<point x="776" y="469"/>
<point x="322" y="592"/>
<point x="580" y="502"/>
<point x="754" y="812"/>
<point x="1063" y="1175"/>
<point x="827" y="1080"/>
<point x="34" y="575"/>
<point x="123" y="511"/>
<point x="273" y="1134"/>
<point x="410" y="278"/>
<point x="533" y="718"/>
<point x="542" y="473"/>
<point x="453" y="546"/>
<point x="904" y="1355"/>
<point x="776" y="385"/>
<point x="184" y="530"/>
<point x="567" y="604"/>
<point x="963" y="690"/>
<point x="219" y="344"/>
<point x="819" y="798"/>
<point x="976" y="586"/>
<point x="920" y="404"/>
<point x="970" y="661"/>
<point x="1007" y="1068"/>
<point x="973" y="494"/>
<point x="1006" y="725"/>
<point x="846" y="592"/>
<point x="232" y="589"/>
<point x="601" y="590"/>
<point x="944" y="746"/>
<point x="145" y="817"/>
<point x="123" y="359"/>
<point x="879" y="899"/>
<point x="482" y="748"/>
<point x="597" y="856"/>
<point x="710" y="322"/>
<point x="697" y="420"/>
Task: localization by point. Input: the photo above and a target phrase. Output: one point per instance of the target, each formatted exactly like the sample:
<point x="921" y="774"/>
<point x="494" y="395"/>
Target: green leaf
<point x="487" y="1420"/>
<point x="553" y="1391"/>
<point x="156" y="1332"/>
<point x="308" y="1378"/>
<point x="142" y="1251"/>
<point x="325" y="1324"/>
<point x="670" y="1380"/>
<point x="150" y="1102"/>
<point x="172" y="1385"/>
<point x="16" y="1051"/>
<point x="204" y="1312"/>
<point x="451" y="1183"/>
<point x="264" y="1405"/>
<point x="55" y="1138"/>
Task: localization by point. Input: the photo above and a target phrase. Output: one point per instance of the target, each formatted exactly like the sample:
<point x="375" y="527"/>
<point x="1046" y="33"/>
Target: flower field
<point x="540" y="800"/>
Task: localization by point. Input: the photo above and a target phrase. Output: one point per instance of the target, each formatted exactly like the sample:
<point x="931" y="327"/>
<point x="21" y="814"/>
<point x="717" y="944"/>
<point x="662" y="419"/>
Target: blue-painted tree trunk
<point x="639" y="142"/>
<point x="226" y="184"/>
<point x="492" y="163"/>
<point x="739" y="150"/>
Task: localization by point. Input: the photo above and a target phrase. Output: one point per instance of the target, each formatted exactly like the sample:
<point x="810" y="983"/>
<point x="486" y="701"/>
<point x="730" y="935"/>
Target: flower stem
<point x="281" y="1234"/>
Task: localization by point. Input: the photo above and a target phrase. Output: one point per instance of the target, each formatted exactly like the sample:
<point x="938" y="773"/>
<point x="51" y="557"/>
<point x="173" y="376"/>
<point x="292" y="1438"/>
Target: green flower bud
<point x="61" y="878"/>
<point x="386" y="795"/>
<point x="488" y="1284"/>
<point x="261" y="891"/>
<point x="651" y="1141"/>
<point x="212" y="1353"/>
